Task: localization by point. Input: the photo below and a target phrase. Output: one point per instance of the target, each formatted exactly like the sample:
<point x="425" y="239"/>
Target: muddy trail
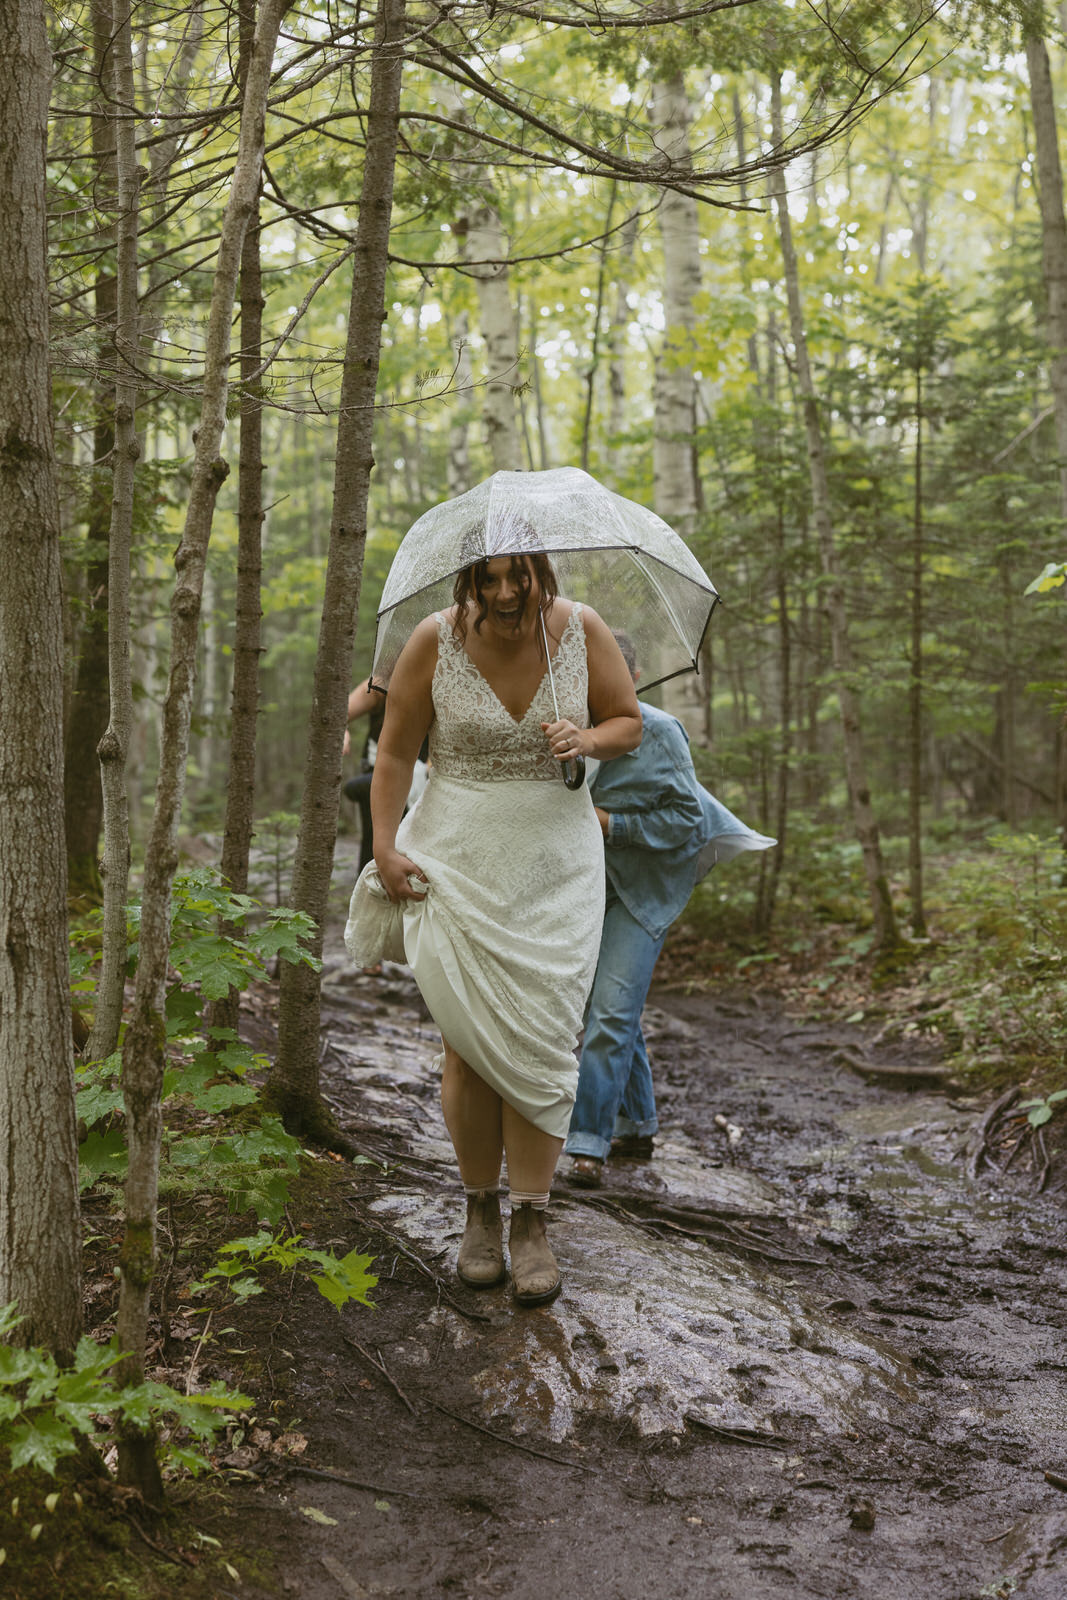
<point x="799" y="1353"/>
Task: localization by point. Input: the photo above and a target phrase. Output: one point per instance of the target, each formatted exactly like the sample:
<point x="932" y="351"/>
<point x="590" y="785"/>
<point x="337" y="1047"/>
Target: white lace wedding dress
<point x="505" y="942"/>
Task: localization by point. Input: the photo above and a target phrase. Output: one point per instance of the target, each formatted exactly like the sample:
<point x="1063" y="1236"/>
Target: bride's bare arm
<point x="408" y="715"/>
<point x="613" y="708"/>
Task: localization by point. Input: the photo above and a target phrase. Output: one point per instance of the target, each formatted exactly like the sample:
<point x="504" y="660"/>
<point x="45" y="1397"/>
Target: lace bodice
<point x="474" y="736"/>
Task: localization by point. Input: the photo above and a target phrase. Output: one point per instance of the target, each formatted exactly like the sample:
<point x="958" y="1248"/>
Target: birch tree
<point x="487" y="248"/>
<point x="40" y="1265"/>
<point x="675" y="486"/>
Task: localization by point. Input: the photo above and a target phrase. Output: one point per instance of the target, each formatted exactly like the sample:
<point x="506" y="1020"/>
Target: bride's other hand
<point x="394" y="870"/>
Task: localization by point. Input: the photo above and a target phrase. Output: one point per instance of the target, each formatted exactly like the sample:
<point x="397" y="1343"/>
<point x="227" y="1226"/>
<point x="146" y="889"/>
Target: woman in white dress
<point x="500" y="869"/>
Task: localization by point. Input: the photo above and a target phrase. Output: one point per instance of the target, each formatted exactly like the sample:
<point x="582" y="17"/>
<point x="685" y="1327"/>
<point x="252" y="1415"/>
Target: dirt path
<point x="816" y="1361"/>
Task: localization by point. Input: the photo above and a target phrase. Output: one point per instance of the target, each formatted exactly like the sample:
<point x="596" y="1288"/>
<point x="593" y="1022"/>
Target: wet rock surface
<point x="813" y="1359"/>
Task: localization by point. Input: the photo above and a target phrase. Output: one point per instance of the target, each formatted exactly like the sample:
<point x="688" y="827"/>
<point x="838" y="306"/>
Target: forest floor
<point x="814" y="1358"/>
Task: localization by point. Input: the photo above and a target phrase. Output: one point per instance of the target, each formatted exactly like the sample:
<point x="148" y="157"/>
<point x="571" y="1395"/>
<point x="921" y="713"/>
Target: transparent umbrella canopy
<point x="611" y="553"/>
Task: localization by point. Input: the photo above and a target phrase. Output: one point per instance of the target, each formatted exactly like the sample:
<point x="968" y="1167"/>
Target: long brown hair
<point x="467" y="589"/>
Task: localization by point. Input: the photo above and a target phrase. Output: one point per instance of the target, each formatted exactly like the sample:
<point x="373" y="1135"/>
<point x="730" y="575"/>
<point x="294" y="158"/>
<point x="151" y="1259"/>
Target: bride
<point x="500" y="871"/>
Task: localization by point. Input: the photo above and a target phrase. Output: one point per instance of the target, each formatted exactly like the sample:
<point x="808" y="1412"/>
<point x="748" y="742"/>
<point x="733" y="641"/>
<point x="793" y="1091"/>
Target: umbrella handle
<point x="573" y="771"/>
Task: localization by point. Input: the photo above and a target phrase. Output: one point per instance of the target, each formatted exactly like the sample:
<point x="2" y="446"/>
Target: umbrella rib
<point x="668" y="606"/>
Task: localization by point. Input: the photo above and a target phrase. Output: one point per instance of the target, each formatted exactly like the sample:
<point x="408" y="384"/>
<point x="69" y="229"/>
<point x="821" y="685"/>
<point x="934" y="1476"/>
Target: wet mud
<point x="799" y="1353"/>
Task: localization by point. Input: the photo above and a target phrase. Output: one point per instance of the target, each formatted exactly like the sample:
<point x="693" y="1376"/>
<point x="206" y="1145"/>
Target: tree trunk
<point x="40" y="1255"/>
<point x="143" y="1049"/>
<point x="244" y="702"/>
<point x="675" y="491"/>
<point x="113" y="749"/>
<point x="769" y="454"/>
<point x="88" y="711"/>
<point x="500" y="330"/>
<point x="294" y="1082"/>
<point x="866" y="828"/>
<point x="915" y="682"/>
<point x="594" y="343"/>
<point x="459" y="455"/>
<point x="620" y="318"/>
<point x="1054" y="265"/>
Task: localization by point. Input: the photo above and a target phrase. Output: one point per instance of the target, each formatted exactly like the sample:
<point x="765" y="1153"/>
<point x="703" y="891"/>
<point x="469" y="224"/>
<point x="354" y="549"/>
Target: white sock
<point x="481" y="1188"/>
<point x="538" y="1201"/>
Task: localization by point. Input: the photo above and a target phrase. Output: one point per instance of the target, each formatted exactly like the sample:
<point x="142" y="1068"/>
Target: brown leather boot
<point x="534" y="1270"/>
<point x="480" y="1263"/>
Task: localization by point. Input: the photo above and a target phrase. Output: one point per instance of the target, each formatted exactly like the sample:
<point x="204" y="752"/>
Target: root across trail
<point x="813" y="1347"/>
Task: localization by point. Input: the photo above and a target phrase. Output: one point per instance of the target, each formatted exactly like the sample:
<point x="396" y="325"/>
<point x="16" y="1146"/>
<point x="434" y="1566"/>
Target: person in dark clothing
<point x="370" y="703"/>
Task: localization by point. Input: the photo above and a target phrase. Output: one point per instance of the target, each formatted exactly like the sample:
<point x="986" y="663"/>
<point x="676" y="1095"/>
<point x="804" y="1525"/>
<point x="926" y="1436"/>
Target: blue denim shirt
<point x="665" y="830"/>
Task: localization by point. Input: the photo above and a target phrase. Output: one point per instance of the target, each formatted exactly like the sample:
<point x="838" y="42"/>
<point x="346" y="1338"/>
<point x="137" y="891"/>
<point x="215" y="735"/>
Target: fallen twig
<point x="753" y="1436"/>
<point x="177" y="1556"/>
<point x="340" y="1477"/>
<point x="1046" y="1159"/>
<point x="1008" y="1098"/>
<point x="517" y="1444"/>
<point x="1057" y="1480"/>
<point x="379" y="1366"/>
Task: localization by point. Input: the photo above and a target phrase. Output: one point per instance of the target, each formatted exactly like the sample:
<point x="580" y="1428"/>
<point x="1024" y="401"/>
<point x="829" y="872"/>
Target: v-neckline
<point x="518" y="721"/>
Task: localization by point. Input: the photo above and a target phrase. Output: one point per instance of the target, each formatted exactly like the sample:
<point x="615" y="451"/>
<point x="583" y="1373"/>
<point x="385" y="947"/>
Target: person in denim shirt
<point x="662" y="832"/>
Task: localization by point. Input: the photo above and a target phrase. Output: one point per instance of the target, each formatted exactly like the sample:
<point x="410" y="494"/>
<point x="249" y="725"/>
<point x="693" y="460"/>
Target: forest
<point x="276" y="279"/>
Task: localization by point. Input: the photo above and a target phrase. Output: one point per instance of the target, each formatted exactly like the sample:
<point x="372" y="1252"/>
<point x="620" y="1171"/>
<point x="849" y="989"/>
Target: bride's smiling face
<point x="510" y="593"/>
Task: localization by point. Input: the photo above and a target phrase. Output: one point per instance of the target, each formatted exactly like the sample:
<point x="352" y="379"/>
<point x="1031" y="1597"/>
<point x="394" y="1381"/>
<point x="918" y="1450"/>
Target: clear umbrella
<point x="607" y="551"/>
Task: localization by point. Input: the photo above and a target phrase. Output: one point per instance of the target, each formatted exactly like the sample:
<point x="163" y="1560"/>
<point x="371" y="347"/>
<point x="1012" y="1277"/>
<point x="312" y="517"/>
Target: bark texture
<point x="244" y="705"/>
<point x="866" y="828"/>
<point x="115" y="743"/>
<point x="143" y="1047"/>
<point x="459" y="455"/>
<point x="675" y="490"/>
<point x="294" y="1082"/>
<point x="1054" y="267"/>
<point x="40" y="1265"/>
<point x="88" y="712"/>
<point x="500" y="330"/>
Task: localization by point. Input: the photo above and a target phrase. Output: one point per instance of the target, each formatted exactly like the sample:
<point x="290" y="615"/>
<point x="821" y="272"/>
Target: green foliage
<point x="206" y="1077"/>
<point x="1002" y="960"/>
<point x="338" y="1280"/>
<point x="1040" y="1109"/>
<point x="1051" y="577"/>
<point x="45" y="1408"/>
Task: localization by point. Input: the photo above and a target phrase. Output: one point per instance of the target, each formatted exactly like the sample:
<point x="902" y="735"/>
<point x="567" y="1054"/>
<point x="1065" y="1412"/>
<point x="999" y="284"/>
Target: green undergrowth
<point x="81" y="1537"/>
<point x="987" y="986"/>
<point x="229" y="1175"/>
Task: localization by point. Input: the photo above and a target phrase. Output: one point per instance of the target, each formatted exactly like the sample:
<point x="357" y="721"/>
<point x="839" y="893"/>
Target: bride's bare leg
<point x="532" y="1155"/>
<point x="472" y="1116"/>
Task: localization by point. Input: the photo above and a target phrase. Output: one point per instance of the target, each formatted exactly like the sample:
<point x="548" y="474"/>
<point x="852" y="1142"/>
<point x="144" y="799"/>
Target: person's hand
<point x="346" y="747"/>
<point x="394" y="870"/>
<point x="604" y="819"/>
<point x="567" y="742"/>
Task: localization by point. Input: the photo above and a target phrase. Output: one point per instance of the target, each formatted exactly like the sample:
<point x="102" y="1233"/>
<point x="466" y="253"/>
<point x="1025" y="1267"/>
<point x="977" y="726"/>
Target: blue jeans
<point x="614" y="1077"/>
